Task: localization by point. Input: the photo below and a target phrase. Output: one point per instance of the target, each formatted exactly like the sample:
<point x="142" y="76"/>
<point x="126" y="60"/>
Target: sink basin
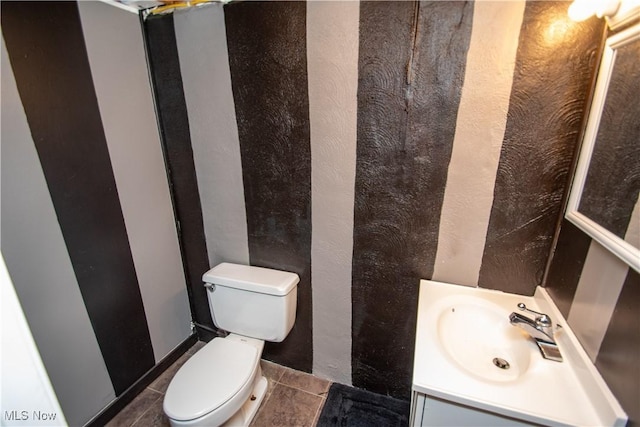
<point x="479" y="339"/>
<point x="464" y="341"/>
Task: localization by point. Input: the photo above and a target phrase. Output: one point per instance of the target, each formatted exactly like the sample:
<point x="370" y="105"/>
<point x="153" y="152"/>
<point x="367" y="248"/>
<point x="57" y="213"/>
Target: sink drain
<point x="501" y="363"/>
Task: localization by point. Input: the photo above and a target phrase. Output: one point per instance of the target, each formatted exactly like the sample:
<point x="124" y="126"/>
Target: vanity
<point x="473" y="367"/>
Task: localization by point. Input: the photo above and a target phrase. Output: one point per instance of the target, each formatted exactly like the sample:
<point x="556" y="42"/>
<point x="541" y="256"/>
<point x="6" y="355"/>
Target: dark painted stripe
<point x="171" y="109"/>
<point x="268" y="62"/>
<point x="566" y="265"/>
<point x="619" y="353"/>
<point x="545" y="111"/>
<point x="411" y="68"/>
<point x="49" y="58"/>
<point x="613" y="181"/>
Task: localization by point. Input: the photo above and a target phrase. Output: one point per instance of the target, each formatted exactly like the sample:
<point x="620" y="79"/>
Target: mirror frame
<point x="624" y="250"/>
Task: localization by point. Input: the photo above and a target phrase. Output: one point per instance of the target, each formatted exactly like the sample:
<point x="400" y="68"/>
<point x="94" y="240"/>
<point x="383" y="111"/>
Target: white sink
<point x="461" y="330"/>
<point x="478" y="337"/>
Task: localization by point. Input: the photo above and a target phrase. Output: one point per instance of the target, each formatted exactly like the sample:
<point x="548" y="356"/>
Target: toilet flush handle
<point x="210" y="287"/>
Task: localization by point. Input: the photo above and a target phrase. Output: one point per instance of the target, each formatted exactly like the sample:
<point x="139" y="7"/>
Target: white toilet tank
<point x="252" y="301"/>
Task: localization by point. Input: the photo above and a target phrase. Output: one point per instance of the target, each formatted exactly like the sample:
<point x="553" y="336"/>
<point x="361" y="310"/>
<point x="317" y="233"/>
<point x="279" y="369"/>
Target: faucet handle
<point x="541" y="318"/>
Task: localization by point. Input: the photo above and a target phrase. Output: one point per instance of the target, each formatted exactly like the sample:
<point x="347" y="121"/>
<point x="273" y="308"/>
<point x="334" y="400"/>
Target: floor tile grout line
<point x="268" y="395"/>
<point x="320" y="408"/>
<point x="316" y="413"/>
<point x="144" y="412"/>
<point x="275" y="364"/>
<point x="157" y="391"/>
<point x="316" y="418"/>
<point x="322" y="396"/>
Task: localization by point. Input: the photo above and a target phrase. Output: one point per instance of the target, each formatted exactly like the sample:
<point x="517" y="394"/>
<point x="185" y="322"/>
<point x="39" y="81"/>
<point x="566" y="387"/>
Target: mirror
<point x="604" y="195"/>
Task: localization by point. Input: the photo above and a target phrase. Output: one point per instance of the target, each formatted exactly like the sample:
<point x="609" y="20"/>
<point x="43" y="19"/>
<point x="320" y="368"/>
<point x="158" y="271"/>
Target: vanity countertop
<point x="537" y="390"/>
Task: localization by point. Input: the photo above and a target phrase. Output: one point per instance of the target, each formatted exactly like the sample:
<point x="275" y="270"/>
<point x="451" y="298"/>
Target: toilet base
<point x="242" y="417"/>
<point x="245" y="408"/>
<point x="248" y="411"/>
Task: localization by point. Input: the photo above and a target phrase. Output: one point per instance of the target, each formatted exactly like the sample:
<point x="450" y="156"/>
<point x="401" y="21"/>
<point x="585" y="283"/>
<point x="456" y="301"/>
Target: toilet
<point x="222" y="384"/>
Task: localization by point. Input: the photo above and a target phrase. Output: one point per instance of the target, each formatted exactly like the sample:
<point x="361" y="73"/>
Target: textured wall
<point x="545" y="112"/>
<point x="482" y="117"/>
<point x="415" y="109"/>
<point x="406" y="122"/>
<point x="268" y="62"/>
<point x="88" y="231"/>
<point x="332" y="52"/>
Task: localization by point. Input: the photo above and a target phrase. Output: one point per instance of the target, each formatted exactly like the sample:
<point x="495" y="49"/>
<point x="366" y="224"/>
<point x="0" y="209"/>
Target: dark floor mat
<point x="352" y="407"/>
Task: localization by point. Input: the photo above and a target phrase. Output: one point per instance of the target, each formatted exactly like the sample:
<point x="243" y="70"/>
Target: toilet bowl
<point x="221" y="380"/>
<point x="222" y="384"/>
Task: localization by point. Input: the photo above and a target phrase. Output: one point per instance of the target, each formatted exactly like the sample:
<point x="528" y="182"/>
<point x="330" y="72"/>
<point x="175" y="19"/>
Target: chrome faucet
<point x="540" y="329"/>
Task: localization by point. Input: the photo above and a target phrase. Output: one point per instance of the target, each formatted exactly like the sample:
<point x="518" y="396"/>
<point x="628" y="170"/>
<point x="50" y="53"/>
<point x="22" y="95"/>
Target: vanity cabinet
<point x="430" y="411"/>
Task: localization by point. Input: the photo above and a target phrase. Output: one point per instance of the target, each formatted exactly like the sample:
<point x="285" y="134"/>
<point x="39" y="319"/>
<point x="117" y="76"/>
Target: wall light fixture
<point x="583" y="9"/>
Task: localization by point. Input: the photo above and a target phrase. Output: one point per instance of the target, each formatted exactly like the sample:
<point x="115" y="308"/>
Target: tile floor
<point x="293" y="398"/>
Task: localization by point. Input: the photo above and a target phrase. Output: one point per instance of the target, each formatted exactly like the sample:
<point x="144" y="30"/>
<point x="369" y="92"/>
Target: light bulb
<point x="581" y="10"/>
<point x="607" y="8"/>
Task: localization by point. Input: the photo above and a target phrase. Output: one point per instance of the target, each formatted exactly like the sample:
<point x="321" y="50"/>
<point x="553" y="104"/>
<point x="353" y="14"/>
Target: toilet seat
<point x="220" y="373"/>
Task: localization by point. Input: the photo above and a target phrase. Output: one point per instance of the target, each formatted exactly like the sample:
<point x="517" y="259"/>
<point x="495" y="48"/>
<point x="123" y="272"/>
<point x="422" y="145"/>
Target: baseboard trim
<point x="129" y="394"/>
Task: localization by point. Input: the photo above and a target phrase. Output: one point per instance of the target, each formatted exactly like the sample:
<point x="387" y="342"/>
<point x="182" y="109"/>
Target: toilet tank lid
<point x="254" y="279"/>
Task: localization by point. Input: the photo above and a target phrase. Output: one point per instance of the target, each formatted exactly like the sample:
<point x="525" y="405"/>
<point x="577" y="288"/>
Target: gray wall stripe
<point x="35" y="253"/>
<point x="593" y="303"/>
<point x="204" y="63"/>
<point x="619" y="353"/>
<point x="633" y="232"/>
<point x="332" y="55"/>
<point x="482" y="117"/>
<point x="119" y="68"/>
<point x="568" y="259"/>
